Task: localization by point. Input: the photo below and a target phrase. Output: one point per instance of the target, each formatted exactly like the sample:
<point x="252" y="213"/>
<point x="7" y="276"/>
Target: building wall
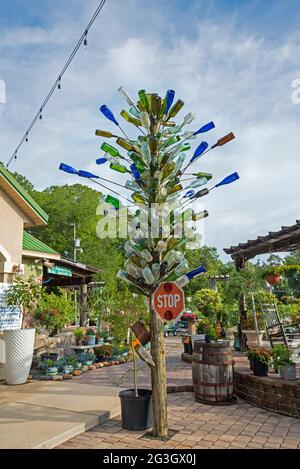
<point x="11" y="235"/>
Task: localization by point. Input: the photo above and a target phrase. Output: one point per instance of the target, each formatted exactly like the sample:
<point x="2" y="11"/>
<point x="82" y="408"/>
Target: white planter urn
<point x="252" y="338"/>
<point x="19" y="345"/>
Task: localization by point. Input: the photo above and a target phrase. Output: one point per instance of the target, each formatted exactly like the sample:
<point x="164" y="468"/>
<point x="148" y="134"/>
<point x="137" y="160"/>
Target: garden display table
<point x="86" y="348"/>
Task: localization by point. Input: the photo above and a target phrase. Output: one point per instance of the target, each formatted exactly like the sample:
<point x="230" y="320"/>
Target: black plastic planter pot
<point x="259" y="368"/>
<point x="136" y="411"/>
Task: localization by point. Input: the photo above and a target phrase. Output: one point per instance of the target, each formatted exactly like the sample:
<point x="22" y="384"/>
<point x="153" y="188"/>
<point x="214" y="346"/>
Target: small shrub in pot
<point x="282" y="359"/>
<point x="261" y="358"/>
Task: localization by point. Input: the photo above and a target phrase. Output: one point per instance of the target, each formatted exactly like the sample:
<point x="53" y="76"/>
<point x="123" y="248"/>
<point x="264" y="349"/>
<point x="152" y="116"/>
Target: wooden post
<point x="158" y="375"/>
<point x="84" y="305"/>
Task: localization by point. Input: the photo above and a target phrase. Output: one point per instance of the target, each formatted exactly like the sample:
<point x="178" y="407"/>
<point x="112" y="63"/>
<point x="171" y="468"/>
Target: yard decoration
<point x="25" y="294"/>
<point x="156" y="165"/>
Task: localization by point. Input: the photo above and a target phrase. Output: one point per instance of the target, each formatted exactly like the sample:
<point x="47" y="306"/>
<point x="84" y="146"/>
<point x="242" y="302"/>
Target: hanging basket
<point x="273" y="279"/>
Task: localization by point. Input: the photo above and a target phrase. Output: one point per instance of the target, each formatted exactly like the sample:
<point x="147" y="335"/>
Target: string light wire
<point x="57" y="83"/>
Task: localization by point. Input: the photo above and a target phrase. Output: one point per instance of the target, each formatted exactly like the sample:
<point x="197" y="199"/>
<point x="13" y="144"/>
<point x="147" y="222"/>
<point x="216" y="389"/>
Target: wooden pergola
<point x="285" y="240"/>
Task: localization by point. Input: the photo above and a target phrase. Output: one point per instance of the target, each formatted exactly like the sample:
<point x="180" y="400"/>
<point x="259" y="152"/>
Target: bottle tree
<point x="163" y="182"/>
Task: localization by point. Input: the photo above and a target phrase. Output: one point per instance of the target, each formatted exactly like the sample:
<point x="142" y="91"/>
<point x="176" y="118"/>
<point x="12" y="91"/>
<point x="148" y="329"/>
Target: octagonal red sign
<point x="168" y="301"/>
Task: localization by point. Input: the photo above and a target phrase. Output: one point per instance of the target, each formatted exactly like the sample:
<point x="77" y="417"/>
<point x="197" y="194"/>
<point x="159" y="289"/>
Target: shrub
<point x="54" y="312"/>
<point x="208" y="302"/>
<point x="282" y="356"/>
<point x="105" y="351"/>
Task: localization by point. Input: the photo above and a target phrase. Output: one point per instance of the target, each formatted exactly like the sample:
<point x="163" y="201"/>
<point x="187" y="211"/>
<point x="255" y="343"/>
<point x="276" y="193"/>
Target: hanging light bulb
<point x="26" y="139"/>
<point x="85" y="42"/>
<point x="41" y="115"/>
<point x="59" y="84"/>
<point x="205" y="128"/>
<point x="199" y="151"/>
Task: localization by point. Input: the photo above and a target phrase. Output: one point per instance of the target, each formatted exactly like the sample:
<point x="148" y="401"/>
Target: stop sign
<point x="168" y="300"/>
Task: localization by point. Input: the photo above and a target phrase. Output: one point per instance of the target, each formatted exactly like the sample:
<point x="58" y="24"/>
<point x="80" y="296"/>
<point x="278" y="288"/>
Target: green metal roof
<point x="30" y="243"/>
<point x="23" y="193"/>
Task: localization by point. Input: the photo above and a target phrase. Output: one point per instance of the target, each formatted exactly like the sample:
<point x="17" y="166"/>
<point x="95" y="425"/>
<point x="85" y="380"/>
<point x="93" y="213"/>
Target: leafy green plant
<point x="105" y="351"/>
<point x="79" y="334"/>
<point x="91" y="331"/>
<point x="282" y="356"/>
<point x="86" y="357"/>
<point x="54" y="312"/>
<point x="208" y="302"/>
<point x="203" y="326"/>
<point x="26" y="295"/>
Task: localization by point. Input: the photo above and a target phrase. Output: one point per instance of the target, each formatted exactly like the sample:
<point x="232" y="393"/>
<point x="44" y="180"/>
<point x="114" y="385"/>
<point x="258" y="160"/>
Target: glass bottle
<point x="109" y="199"/>
<point x="146" y="153"/>
<point x="174" y="189"/>
<point x="125" y="144"/>
<point x="179" y="162"/>
<point x="138" y="198"/>
<point x="168" y="169"/>
<point x="148" y="275"/>
<point x="133" y="186"/>
<point x="197" y="183"/>
<point x="156" y="271"/>
<point x="199" y="175"/>
<point x="126" y="96"/>
<point x="130" y="118"/>
<point x="135" y="112"/>
<point x="145" y="120"/>
<point x="176" y="108"/>
<point x="143" y="99"/>
<point x="104" y="133"/>
<point x="200" y="215"/>
<point x="119" y="168"/>
<point x="109" y="149"/>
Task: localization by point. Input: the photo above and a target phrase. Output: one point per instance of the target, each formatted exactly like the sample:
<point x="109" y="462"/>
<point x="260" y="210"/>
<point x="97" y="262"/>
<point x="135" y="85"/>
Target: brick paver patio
<point x="197" y="425"/>
<point x="200" y="426"/>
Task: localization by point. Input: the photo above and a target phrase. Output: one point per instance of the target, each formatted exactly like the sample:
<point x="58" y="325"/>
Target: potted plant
<point x="49" y="367"/>
<point x="19" y="343"/>
<point x="261" y="358"/>
<point x="86" y="359"/>
<point x="79" y="335"/>
<point x="272" y="274"/>
<point x="136" y="404"/>
<point x="90" y="336"/>
<point x="282" y="360"/>
<point x="202" y="329"/>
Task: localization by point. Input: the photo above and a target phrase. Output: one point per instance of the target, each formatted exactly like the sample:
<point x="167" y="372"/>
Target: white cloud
<point x="240" y="80"/>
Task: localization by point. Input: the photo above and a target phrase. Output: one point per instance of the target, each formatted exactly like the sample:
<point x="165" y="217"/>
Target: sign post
<point x="168" y="301"/>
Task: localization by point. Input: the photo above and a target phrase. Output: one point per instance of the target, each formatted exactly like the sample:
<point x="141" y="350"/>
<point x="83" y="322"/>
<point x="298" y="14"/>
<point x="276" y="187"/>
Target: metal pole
<point x="255" y="321"/>
<point x="74" y="258"/>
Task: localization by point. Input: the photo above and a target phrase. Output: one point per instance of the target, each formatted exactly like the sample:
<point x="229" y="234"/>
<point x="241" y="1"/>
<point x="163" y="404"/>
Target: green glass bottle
<point x="143" y="100"/>
<point x="168" y="169"/>
<point x="109" y="199"/>
<point x="176" y="108"/>
<point x="200" y="175"/>
<point x="130" y="118"/>
<point x="119" y="168"/>
<point x="125" y="144"/>
<point x="174" y="189"/>
<point x="170" y="141"/>
<point x="186" y="147"/>
<point x="109" y="149"/>
<point x="138" y="198"/>
<point x="153" y="144"/>
<point x="104" y="133"/>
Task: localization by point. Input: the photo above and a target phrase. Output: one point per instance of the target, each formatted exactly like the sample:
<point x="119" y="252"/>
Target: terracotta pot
<point x="273" y="279"/>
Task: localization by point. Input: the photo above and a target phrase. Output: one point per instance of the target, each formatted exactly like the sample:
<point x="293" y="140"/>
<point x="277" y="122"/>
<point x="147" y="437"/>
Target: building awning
<point x="35" y="214"/>
<point x="57" y="271"/>
<point x="285" y="240"/>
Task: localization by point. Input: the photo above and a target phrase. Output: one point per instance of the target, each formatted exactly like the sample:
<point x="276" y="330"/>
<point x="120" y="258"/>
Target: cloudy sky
<point x="231" y="61"/>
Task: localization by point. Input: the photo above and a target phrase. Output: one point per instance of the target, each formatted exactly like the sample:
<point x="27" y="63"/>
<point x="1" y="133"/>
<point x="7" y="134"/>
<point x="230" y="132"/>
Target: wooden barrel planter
<point x="213" y="373"/>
